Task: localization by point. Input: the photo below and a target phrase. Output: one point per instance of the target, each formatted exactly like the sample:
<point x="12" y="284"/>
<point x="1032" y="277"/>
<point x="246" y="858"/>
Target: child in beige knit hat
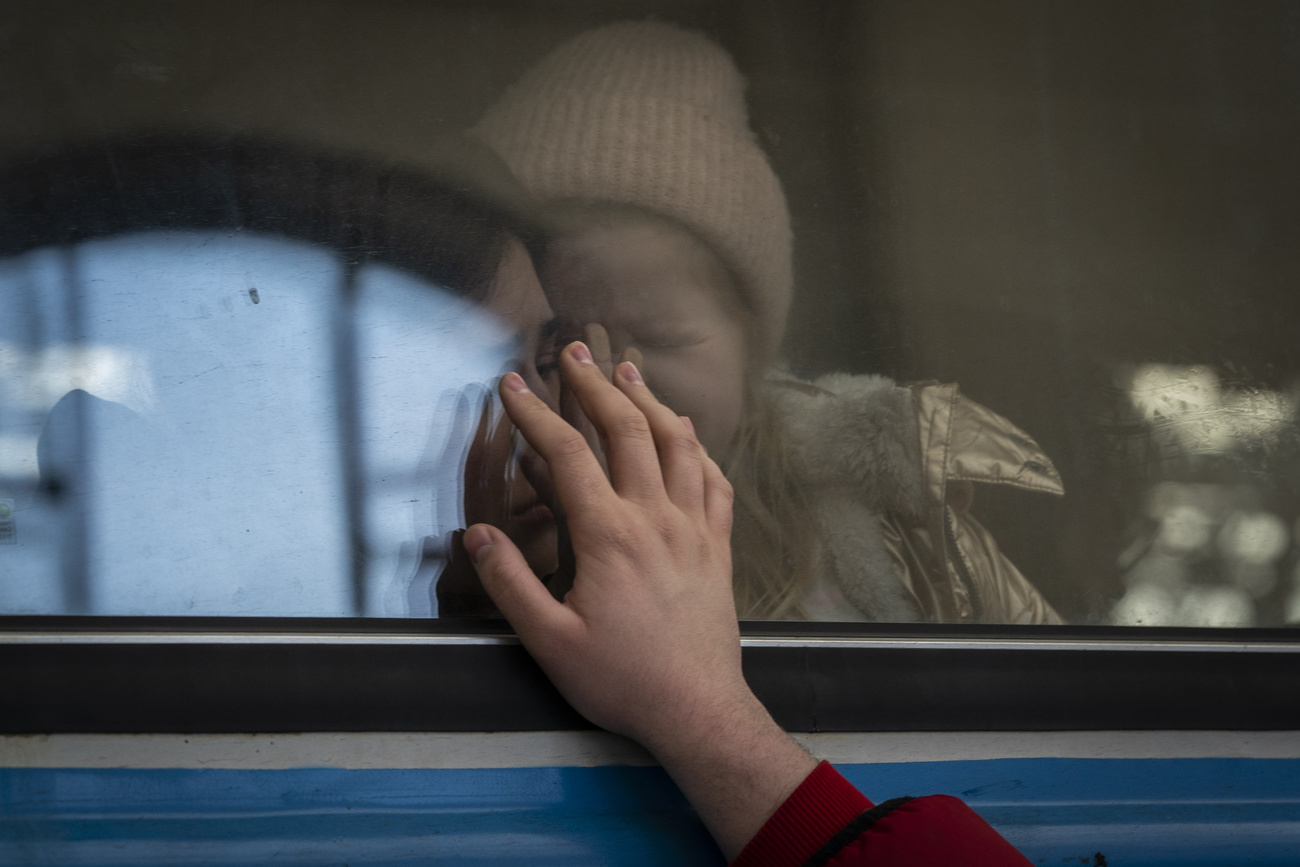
<point x="671" y="230"/>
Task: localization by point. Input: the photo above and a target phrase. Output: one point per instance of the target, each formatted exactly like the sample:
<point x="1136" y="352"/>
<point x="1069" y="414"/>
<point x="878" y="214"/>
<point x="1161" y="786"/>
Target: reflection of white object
<point x="1219" y="607"/>
<point x="1159" y="569"/>
<point x="1188" y="403"/>
<point x="1154" y="605"/>
<point x="36" y="380"/>
<point x="219" y="496"/>
<point x="417" y="350"/>
<point x="1257" y="579"/>
<point x="1292" y="612"/>
<point x="1173" y="391"/>
<point x="1167" y="496"/>
<point x="18" y="456"/>
<point x="1185" y="529"/>
<point x="1146" y="605"/>
<point x="211" y="462"/>
<point x="1257" y="538"/>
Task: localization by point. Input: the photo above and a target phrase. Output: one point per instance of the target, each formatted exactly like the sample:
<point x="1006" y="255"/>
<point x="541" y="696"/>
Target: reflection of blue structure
<point x="1130" y="811"/>
<point x="243" y="426"/>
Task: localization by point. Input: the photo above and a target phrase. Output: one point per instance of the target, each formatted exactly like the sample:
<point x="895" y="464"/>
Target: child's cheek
<point x="703" y="385"/>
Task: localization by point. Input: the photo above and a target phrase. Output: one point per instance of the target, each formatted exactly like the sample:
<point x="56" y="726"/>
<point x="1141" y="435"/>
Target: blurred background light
<point x="36" y="380"/>
<point x="1185" y="529"/>
<point x="1146" y="605"/>
<point x="1254" y="538"/>
<point x="1190" y="404"/>
<point x="1216" y="606"/>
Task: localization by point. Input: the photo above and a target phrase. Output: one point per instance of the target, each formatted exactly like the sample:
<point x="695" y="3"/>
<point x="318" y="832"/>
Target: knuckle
<point x="622" y="535"/>
<point x="589" y="490"/>
<point x="571" y="444"/>
<point x="670" y="527"/>
<point x="683" y="441"/>
<point x="632" y="425"/>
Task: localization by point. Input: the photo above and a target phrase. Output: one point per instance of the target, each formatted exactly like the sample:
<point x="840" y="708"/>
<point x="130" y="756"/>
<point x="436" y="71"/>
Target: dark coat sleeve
<point x="827" y="822"/>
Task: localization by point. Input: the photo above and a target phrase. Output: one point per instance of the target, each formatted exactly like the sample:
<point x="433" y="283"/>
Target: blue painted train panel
<point x="1058" y="811"/>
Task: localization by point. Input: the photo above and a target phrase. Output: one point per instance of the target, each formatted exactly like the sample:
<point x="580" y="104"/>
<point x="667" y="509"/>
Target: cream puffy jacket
<point x="887" y="471"/>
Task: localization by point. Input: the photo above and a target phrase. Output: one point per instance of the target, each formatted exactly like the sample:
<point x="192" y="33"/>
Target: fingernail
<point x="477" y="541"/>
<point x="686" y="423"/>
<point x="580" y="352"/>
<point x="515" y="382"/>
<point x="628" y="371"/>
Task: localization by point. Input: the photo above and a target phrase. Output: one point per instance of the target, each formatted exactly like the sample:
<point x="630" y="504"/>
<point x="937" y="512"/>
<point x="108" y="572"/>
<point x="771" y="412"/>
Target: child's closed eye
<point x="547" y="365"/>
<point x="667" y="341"/>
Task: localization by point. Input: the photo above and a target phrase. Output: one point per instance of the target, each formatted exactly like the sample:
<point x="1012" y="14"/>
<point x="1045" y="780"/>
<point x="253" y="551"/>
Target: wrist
<point x="736" y="766"/>
<point x="712" y="720"/>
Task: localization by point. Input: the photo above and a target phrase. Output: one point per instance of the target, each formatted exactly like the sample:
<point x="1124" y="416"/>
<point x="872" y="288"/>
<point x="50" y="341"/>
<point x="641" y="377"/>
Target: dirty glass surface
<point x="1037" y="303"/>
<point x="174" y="440"/>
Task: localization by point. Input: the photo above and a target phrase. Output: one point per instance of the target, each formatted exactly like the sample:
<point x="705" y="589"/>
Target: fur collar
<point x="852" y="433"/>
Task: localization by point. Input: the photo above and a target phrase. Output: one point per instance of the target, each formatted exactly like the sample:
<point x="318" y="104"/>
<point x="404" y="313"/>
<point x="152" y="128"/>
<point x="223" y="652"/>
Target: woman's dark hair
<point x="447" y="224"/>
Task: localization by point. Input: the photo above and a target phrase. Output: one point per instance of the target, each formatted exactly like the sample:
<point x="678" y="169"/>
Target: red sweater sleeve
<point x="827" y="822"/>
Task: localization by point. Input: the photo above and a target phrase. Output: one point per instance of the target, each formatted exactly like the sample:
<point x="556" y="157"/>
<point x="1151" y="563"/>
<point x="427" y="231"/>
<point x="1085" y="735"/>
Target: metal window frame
<point x="173" y="675"/>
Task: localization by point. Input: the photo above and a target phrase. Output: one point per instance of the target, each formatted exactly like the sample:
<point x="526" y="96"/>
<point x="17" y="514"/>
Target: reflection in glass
<point x="1085" y="215"/>
<point x="671" y="229"/>
<point x="1211" y="552"/>
<point x="250" y="378"/>
<point x="184" y="446"/>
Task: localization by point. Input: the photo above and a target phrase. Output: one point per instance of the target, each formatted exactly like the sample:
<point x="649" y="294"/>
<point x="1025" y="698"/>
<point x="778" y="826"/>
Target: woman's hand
<point x="646" y="642"/>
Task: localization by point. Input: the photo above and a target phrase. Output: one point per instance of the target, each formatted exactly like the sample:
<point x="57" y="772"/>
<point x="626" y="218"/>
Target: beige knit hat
<point x="650" y="115"/>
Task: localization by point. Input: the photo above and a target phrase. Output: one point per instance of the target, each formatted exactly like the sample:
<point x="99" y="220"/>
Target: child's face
<point x="654" y="287"/>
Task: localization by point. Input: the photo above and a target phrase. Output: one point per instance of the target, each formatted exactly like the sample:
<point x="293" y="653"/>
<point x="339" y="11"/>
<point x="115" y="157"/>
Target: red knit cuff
<point x="816" y="811"/>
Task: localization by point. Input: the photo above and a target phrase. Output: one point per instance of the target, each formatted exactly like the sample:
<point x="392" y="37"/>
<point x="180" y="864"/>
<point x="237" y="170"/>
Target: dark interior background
<point x="1031" y="198"/>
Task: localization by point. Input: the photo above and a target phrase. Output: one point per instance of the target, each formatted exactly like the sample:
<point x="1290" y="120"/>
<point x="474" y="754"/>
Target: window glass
<point x="988" y="311"/>
<point x="180" y="450"/>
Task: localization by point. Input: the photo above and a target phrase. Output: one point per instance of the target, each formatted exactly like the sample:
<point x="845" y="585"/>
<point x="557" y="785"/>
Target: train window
<point x="988" y="311"/>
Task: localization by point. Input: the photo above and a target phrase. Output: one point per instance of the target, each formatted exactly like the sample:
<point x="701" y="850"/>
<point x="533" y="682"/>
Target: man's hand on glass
<point x="646" y="642"/>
